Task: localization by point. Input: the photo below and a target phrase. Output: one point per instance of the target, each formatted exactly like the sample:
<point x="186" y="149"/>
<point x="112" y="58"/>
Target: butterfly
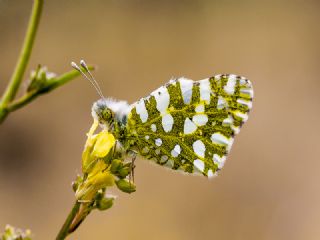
<point x="184" y="125"/>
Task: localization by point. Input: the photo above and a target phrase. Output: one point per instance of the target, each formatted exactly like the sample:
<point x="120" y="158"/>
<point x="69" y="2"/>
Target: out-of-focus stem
<point x="30" y="96"/>
<point x="65" y="230"/>
<point x="23" y="59"/>
<point x="51" y="84"/>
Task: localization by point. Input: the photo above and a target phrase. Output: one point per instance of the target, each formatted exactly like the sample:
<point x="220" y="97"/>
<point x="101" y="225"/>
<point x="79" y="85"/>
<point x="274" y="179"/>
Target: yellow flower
<point x="105" y="142"/>
<point x="96" y="147"/>
<point x="98" y="178"/>
<point x="96" y="171"/>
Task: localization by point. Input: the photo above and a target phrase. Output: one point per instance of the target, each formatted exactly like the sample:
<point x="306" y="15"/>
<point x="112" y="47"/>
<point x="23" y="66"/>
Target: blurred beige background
<point x="269" y="188"/>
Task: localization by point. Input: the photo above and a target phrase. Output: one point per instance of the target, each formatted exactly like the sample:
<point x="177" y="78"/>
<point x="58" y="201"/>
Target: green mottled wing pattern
<point x="190" y="125"/>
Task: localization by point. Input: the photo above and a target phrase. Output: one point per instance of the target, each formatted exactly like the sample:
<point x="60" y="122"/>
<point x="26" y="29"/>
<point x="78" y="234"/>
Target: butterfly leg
<point x="133" y="155"/>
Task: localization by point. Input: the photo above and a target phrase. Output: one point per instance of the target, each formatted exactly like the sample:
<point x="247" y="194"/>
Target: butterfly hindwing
<point x="190" y="125"/>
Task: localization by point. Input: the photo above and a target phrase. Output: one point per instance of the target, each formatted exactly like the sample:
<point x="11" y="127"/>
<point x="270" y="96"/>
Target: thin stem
<point x="25" y="53"/>
<point x="81" y="216"/>
<point x="64" y="231"/>
<point x="23" y="59"/>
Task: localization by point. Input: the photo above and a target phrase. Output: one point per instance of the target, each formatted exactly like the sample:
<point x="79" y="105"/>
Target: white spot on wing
<point x="221" y="103"/>
<point x="217" y="77"/>
<point x="169" y="163"/>
<point x="243" y="81"/>
<point x="158" y="142"/>
<point x="162" y="98"/>
<point x="248" y="82"/>
<point x="227" y="121"/>
<point x="164" y="158"/>
<point x="210" y="174"/>
<point x="235" y="129"/>
<point x="199" y="148"/>
<point x="219" y="138"/>
<point x="200" y="119"/>
<point x="247" y="91"/>
<point x="230" y="144"/>
<point x="142" y="111"/>
<point x="231" y="83"/>
<point x="242" y="115"/>
<point x="245" y="102"/>
<point x="186" y="89"/>
<point x="167" y="122"/>
<point x="173" y="81"/>
<point x="219" y="160"/>
<point x="176" y="151"/>
<point x="145" y="150"/>
<point x="205" y="90"/>
<point x="189" y="126"/>
<point x="153" y="127"/>
<point x="199" y="108"/>
<point x="199" y="165"/>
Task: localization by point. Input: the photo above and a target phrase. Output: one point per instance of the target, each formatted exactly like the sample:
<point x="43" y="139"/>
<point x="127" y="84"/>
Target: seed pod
<point x="115" y="165"/>
<point x="123" y="172"/>
<point x="126" y="186"/>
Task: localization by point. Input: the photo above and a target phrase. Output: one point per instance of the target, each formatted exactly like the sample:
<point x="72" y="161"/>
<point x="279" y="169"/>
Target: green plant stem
<point x="51" y="84"/>
<point x="24" y="57"/>
<point x="30" y="96"/>
<point x="64" y="231"/>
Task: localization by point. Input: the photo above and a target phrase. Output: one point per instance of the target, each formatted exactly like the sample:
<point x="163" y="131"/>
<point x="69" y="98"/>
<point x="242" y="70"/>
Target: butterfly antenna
<point x="75" y="66"/>
<point x="84" y="65"/>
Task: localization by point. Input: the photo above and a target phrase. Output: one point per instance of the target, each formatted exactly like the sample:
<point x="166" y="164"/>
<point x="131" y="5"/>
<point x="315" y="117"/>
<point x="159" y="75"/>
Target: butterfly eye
<point x="107" y="115"/>
<point x="102" y="113"/>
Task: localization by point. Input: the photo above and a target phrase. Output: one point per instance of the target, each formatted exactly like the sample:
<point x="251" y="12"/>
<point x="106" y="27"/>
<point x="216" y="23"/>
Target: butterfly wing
<point x="190" y="125"/>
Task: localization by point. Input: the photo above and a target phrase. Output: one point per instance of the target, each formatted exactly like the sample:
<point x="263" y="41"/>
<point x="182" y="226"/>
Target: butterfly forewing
<point x="190" y="125"/>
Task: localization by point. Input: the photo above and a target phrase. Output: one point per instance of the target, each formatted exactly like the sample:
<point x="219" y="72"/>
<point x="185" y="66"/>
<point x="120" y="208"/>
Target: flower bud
<point x="97" y="146"/>
<point x="12" y="233"/>
<point x="39" y="79"/>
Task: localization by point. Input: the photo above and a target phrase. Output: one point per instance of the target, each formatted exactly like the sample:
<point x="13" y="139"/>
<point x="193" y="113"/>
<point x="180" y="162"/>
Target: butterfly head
<point x="107" y="111"/>
<point x="102" y="113"/>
